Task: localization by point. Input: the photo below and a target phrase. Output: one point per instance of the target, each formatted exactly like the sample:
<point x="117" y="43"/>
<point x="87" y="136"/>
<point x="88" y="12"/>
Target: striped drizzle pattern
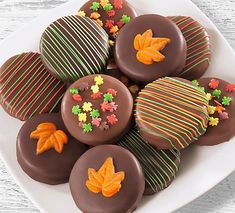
<point x="159" y="166"/>
<point x="27" y="88"/>
<point x="75" y="47"/>
<point x="198" y="45"/>
<point x="172" y="110"/>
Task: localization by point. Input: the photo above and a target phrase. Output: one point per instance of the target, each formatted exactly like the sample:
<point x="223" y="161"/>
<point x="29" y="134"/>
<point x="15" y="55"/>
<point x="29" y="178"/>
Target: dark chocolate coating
<point x="124" y="111"/>
<point x="49" y="167"/>
<point x="174" y="52"/>
<point x="126" y="9"/>
<point x="159" y="166"/>
<point x="26" y="87"/>
<point x="131" y="192"/>
<point x="225" y="130"/>
<point x="198" y="47"/>
<point x="73" y="47"/>
<point x="116" y="73"/>
<point x="171" y="113"/>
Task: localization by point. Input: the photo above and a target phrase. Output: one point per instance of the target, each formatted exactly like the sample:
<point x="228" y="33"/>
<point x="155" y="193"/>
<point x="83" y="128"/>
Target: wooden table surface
<point x="15" y="13"/>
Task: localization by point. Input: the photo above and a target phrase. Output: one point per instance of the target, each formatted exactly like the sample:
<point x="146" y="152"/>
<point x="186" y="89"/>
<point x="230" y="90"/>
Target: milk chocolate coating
<point x="123" y="113"/>
<point x="225" y="130"/>
<point x="126" y="9"/>
<point x="171" y="113"/>
<point x="174" y="52"/>
<point x="160" y="166"/>
<point x="131" y="192"/>
<point x="27" y="88"/>
<point x="74" y="47"/>
<point x="49" y="167"/>
<point x="198" y="47"/>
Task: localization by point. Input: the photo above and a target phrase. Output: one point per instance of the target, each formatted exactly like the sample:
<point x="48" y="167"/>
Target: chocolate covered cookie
<point x="26" y="87"/>
<point x="46" y="151"/>
<point x="73" y="47"/>
<point x="159" y="166"/>
<point x="221" y="110"/>
<point x="112" y="15"/>
<point x="97" y="109"/>
<point x="171" y="113"/>
<point x="150" y="47"/>
<point x="198" y="47"/>
<point x="108" y="179"/>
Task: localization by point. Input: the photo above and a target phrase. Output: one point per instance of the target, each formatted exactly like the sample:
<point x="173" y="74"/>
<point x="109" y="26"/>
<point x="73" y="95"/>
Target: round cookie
<point x="45" y="150"/>
<point x="27" y="88"/>
<point x="171" y="113"/>
<point x="125" y="185"/>
<point x="221" y="110"/>
<point x="198" y="47"/>
<point x="73" y="47"/>
<point x="150" y="47"/>
<point x="112" y="15"/>
<point x="160" y="166"/>
<point x="97" y="109"/>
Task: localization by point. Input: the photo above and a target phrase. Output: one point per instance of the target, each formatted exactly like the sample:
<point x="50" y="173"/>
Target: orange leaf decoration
<point x="105" y="180"/>
<point x="149" y="48"/>
<point x="49" y="138"/>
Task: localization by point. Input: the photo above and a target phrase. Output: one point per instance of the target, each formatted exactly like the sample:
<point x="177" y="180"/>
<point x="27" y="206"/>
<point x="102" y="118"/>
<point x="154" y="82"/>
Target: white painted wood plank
<point x="15" y="13"/>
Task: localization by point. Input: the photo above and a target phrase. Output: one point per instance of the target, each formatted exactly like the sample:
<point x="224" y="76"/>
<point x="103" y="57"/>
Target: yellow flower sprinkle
<point x="87" y="106"/>
<point x="99" y="80"/>
<point x="211" y="110"/>
<point x="213" y="121"/>
<point x="111" y="43"/>
<point x="95" y="88"/>
<point x="208" y="96"/>
<point x="81" y="13"/>
<point x="94" y="15"/>
<point x="82" y="117"/>
<point x="104" y="2"/>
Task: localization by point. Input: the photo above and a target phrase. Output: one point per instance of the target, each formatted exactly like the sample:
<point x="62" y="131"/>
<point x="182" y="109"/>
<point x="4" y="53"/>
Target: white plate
<point x="201" y="168"/>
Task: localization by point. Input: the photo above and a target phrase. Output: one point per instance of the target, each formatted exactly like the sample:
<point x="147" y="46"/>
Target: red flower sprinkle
<point x="112" y="119"/>
<point x="120" y="24"/>
<point x="111" y="13"/>
<point x="112" y="92"/>
<point x="77" y="97"/>
<point x="105" y="106"/>
<point x="230" y="87"/>
<point x="109" y="23"/>
<point x="118" y="4"/>
<point x="96" y="95"/>
<point x="214" y="84"/>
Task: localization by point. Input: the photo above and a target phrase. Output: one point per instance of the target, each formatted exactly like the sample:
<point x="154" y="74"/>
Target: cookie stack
<point x="110" y="101"/>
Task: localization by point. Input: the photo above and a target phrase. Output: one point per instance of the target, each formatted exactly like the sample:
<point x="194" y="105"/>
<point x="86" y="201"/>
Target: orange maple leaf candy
<point x="149" y="48"/>
<point x="48" y="138"/>
<point x="105" y="180"/>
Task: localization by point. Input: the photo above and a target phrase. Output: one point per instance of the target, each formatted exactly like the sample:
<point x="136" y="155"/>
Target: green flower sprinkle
<point x="195" y="82"/>
<point x="95" y="113"/>
<point x="226" y="101"/>
<point x="201" y="89"/>
<point x="95" y="6"/>
<point x="108" y="7"/>
<point x="108" y="97"/>
<point x="87" y="128"/>
<point x="126" y="19"/>
<point x="217" y="93"/>
<point x="74" y="91"/>
<point x="76" y="110"/>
